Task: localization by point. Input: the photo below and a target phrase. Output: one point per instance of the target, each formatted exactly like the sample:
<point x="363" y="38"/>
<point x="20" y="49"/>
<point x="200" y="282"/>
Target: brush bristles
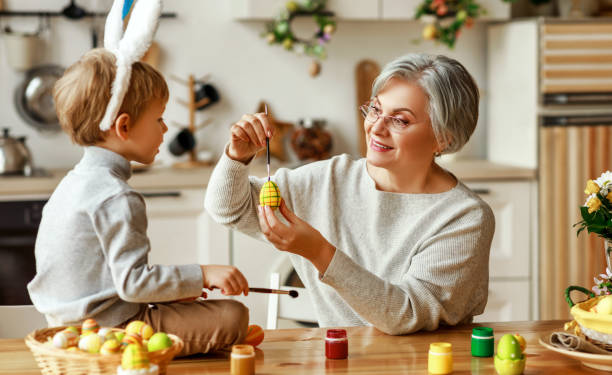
<point x="293" y="293"/>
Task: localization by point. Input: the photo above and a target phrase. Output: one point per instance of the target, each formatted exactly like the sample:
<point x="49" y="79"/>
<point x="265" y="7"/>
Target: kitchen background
<point x="510" y="159"/>
<point x="206" y="39"/>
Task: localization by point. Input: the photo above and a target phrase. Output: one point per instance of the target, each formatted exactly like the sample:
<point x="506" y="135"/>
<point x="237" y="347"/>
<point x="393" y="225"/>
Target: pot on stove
<point x="15" y="157"/>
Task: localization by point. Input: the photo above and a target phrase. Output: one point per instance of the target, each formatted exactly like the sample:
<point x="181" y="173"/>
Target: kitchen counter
<point x="165" y="178"/>
<point x="302" y="351"/>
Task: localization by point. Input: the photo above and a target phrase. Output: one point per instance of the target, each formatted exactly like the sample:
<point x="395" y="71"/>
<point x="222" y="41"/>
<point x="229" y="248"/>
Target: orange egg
<point x="254" y="336"/>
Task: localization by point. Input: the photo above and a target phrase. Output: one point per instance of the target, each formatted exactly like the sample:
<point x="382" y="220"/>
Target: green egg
<point x="509" y="348"/>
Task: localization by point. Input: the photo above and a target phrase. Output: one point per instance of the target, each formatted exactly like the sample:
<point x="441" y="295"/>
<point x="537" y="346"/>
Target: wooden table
<point x="302" y="351"/>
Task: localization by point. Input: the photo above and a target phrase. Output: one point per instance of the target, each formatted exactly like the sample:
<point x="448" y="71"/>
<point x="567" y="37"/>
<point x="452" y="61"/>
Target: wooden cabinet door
<point x="511" y="205"/>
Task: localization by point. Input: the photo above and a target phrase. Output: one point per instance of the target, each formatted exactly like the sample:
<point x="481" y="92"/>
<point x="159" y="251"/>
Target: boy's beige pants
<point x="204" y="326"/>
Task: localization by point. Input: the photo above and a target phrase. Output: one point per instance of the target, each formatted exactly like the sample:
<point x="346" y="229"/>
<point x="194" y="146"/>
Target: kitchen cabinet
<point x="268" y="9"/>
<point x="549" y="90"/>
<point x="176" y="219"/>
<point x="365" y="10"/>
<point x="406" y="9"/>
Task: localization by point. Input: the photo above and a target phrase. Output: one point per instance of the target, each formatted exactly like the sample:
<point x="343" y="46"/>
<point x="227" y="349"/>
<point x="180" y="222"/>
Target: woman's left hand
<point x="298" y="237"/>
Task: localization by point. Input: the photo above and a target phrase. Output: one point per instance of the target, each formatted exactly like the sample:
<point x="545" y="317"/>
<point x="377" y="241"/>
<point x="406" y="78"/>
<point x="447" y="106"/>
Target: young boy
<point x="92" y="247"/>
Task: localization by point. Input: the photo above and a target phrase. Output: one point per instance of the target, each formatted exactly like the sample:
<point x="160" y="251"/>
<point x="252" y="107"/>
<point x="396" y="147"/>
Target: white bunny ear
<point x="113" y="30"/>
<point x="129" y="49"/>
<point x="139" y="33"/>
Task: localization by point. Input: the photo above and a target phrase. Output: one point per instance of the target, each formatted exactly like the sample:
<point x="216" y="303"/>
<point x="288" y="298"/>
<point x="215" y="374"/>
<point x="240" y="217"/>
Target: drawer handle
<point x="482" y="191"/>
<point x="162" y="194"/>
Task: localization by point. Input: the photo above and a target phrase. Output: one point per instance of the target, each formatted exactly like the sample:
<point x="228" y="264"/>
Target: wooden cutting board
<point x="366" y="72"/>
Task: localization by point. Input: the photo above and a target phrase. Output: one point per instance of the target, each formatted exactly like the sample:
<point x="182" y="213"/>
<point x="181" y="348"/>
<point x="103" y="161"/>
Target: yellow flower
<point x="593" y="204"/>
<point x="591" y="187"/>
<point x="609" y="197"/>
<point x="430" y="32"/>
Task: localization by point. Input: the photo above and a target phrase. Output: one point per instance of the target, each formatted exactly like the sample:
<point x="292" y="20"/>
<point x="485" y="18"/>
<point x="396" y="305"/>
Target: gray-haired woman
<point x="391" y="240"/>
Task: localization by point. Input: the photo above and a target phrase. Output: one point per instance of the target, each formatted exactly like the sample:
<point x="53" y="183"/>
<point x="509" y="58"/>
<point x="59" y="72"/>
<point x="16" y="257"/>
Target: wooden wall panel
<point x="569" y="156"/>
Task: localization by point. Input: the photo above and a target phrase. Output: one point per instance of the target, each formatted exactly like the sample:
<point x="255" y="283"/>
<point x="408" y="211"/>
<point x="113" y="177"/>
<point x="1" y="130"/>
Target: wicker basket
<point x="55" y="361"/>
<point x="597" y="328"/>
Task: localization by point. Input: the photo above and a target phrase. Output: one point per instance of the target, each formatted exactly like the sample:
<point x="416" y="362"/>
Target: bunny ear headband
<point x="127" y="48"/>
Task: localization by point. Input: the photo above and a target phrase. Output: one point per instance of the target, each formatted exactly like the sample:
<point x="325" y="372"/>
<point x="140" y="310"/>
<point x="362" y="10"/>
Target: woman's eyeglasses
<point x="371" y="114"/>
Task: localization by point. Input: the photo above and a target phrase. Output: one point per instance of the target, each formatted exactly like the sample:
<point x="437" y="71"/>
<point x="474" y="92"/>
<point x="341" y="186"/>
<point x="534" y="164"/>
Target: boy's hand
<point x="248" y="136"/>
<point x="227" y="278"/>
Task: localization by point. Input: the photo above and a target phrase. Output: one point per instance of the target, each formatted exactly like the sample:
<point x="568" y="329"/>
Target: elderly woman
<point x="391" y="240"/>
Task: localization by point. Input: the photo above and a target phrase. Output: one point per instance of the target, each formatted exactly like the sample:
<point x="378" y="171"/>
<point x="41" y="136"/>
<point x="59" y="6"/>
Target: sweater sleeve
<point x="447" y="280"/>
<point x="121" y="226"/>
<point x="232" y="196"/>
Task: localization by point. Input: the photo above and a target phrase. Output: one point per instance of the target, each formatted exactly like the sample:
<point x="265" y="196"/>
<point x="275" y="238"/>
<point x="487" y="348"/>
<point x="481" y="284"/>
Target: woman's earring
<point x="437" y="154"/>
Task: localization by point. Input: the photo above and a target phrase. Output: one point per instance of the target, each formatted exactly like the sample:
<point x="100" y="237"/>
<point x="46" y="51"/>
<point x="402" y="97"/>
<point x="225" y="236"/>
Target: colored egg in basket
<point x="89" y="326"/>
<point x="143" y="329"/>
<point x="90" y="343"/>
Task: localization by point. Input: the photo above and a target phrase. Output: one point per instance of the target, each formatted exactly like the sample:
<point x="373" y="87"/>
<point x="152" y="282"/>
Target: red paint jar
<point x="336" y="344"/>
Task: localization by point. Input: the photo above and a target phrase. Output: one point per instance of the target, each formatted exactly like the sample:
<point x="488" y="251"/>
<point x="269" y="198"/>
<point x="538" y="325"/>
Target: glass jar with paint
<point x="242" y="360"/>
<point x="336" y="344"/>
<point x="483" y="342"/>
<point x="440" y="358"/>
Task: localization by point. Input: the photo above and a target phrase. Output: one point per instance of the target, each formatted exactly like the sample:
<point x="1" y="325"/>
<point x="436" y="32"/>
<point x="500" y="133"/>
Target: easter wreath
<point x="446" y="18"/>
<point x="280" y="31"/>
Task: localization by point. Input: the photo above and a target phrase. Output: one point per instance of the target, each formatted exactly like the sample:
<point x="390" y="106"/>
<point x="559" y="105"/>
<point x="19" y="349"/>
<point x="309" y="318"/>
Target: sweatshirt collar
<point x="101" y="157"/>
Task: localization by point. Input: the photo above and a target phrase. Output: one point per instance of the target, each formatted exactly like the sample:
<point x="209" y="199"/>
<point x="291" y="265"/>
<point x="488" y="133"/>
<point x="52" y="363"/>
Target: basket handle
<point x="579" y="289"/>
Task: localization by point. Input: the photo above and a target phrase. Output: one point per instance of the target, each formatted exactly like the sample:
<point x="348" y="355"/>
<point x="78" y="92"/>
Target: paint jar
<point x="483" y="342"/>
<point x="242" y="360"/>
<point x="440" y="358"/>
<point x="336" y="344"/>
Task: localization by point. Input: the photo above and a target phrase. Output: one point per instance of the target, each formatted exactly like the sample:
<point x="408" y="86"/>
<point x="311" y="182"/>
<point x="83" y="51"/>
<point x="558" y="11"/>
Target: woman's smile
<point x="378" y="146"/>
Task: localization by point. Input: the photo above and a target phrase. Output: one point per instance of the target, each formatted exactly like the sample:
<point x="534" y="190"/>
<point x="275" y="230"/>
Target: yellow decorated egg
<point x="90" y="343"/>
<point x="131" y="338"/>
<point x="89" y="326"/>
<point x="119" y="335"/>
<point x="65" y="339"/>
<point x="143" y="329"/>
<point x="270" y="195"/>
<point x="134" y="357"/>
<point x="109" y="347"/>
<point x="73" y="329"/>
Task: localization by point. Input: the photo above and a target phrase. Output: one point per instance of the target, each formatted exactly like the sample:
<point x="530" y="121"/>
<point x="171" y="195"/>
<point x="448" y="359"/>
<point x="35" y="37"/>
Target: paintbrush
<point x="267" y="146"/>
<point x="292" y="293"/>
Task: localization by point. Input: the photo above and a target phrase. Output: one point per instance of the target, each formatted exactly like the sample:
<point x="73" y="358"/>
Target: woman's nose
<point x="164" y="127"/>
<point x="379" y="125"/>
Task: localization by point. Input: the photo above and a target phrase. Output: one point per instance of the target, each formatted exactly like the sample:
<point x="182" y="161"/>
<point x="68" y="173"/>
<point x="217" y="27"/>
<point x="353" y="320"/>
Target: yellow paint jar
<point x="440" y="358"/>
<point x="242" y="360"/>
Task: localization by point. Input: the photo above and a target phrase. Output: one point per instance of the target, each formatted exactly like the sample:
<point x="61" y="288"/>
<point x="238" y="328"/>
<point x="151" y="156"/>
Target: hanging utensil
<point x="34" y="97"/>
<point x="73" y="11"/>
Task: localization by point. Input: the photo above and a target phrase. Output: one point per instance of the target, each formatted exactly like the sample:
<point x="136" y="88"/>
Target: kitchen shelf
<point x="17" y="13"/>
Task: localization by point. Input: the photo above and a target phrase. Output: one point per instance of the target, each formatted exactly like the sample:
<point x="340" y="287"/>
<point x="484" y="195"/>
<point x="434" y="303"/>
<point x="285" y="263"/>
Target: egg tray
<point x="596" y="328"/>
<point x="56" y="361"/>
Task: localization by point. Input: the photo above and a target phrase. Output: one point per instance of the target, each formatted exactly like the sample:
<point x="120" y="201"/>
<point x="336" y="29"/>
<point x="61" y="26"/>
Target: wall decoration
<point x="280" y="32"/>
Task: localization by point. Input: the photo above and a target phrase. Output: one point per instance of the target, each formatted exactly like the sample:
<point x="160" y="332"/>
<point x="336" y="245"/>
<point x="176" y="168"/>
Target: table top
<point x="302" y="351"/>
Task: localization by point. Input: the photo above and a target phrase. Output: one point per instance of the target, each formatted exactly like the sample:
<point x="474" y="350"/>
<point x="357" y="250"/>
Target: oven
<point x="19" y="221"/>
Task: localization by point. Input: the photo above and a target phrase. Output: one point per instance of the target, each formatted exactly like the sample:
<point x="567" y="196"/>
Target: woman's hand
<point x="248" y="136"/>
<point x="298" y="237"/>
<point x="227" y="278"/>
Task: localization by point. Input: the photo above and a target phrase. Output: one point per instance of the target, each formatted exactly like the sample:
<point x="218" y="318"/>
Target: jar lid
<point x="482" y="332"/>
<point x="440" y="347"/>
<point x="336" y="333"/>
<point x="243" y="349"/>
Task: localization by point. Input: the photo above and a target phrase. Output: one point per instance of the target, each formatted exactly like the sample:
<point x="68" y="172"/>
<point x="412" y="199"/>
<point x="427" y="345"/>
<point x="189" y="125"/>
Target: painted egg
<point x="254" y="336"/>
<point x="73" y="329"/>
<point x="109" y="347"/>
<point x="65" y="339"/>
<point x="89" y="326"/>
<point x="270" y="195"/>
<point x="119" y="335"/>
<point x="90" y="343"/>
<point x="131" y="338"/>
<point x="73" y="349"/>
<point x="159" y="341"/>
<point x="143" y="329"/>
<point x="134" y="357"/>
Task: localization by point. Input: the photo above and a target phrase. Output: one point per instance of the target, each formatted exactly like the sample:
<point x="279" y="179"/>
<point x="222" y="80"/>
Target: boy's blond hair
<point x="83" y="92"/>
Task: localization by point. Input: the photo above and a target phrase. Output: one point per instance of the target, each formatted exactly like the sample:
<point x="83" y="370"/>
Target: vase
<point x="608" y="251"/>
